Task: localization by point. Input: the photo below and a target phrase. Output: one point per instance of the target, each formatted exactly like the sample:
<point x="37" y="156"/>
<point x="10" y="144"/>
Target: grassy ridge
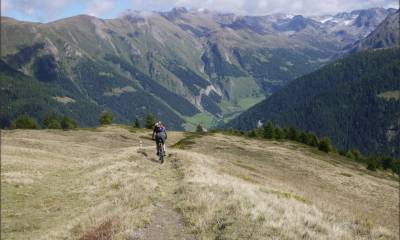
<point x="108" y="181"/>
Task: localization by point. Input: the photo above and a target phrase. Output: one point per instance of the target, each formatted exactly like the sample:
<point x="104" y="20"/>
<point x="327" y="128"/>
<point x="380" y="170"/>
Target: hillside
<point x="184" y="66"/>
<point x="386" y="35"/>
<point x="106" y="182"/>
<point x="354" y="101"/>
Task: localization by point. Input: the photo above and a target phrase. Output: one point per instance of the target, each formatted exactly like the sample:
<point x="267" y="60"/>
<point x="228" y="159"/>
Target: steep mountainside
<point x="354" y="101"/>
<point x="386" y="35"/>
<point x="181" y="65"/>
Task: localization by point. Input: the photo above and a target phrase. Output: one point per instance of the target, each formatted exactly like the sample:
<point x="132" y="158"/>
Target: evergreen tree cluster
<point x="50" y="121"/>
<point x="344" y="100"/>
<point x="324" y="144"/>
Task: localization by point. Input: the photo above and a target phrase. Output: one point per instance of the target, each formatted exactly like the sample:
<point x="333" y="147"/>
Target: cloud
<point x="263" y="7"/>
<point x="5" y="6"/>
<point x="49" y="10"/>
<point x="98" y="8"/>
<point x="41" y="10"/>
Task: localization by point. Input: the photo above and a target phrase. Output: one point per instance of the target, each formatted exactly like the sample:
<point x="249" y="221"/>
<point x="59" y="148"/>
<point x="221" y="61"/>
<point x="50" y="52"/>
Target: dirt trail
<point x="166" y="224"/>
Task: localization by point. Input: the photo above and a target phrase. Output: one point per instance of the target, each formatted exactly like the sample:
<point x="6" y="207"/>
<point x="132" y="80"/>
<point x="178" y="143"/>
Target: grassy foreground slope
<point x="107" y="184"/>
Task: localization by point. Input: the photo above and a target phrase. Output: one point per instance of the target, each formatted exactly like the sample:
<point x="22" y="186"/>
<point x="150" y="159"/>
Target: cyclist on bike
<point x="160" y="135"/>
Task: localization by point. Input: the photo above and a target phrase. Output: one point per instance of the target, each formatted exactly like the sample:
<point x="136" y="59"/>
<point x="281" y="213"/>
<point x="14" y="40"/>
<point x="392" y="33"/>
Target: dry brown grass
<point x="250" y="189"/>
<point x="106" y="184"/>
<point x="78" y="184"/>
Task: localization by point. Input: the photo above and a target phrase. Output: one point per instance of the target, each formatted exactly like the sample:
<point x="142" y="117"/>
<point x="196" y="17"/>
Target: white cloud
<point x="263" y="7"/>
<point x="48" y="10"/>
<point x="5" y="6"/>
<point x="98" y="8"/>
<point x="39" y="9"/>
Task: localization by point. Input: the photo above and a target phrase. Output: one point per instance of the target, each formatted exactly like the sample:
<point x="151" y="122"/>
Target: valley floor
<point x="107" y="183"/>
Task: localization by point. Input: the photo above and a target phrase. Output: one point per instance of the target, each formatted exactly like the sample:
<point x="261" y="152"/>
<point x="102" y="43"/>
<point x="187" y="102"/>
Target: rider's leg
<point x="164" y="147"/>
<point x="157" y="150"/>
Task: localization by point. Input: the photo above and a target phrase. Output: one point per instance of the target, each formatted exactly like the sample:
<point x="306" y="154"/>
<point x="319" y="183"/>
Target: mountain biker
<point x="160" y="135"/>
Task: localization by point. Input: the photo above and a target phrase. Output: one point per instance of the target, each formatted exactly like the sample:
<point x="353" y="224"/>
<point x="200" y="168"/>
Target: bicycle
<point x="160" y="151"/>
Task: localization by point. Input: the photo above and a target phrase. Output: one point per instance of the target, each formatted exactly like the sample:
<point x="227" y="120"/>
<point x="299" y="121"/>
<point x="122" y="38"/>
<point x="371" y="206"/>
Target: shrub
<point x="106" y="118"/>
<point x="24" y="121"/>
<point x="215" y="130"/>
<point x="303" y="138"/>
<point x="396" y="166"/>
<point x="371" y="166"/>
<point x="52" y="121"/>
<point x="150" y="121"/>
<point x="199" y="129"/>
<point x="285" y="133"/>
<point x="293" y="134"/>
<point x="68" y="123"/>
<point x="355" y="154"/>
<point x="312" y="140"/>
<point x="252" y="134"/>
<point x="325" y="145"/>
<point x="387" y="163"/>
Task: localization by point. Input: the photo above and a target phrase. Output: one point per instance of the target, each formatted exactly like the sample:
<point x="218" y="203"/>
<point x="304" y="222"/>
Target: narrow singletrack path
<point x="165" y="223"/>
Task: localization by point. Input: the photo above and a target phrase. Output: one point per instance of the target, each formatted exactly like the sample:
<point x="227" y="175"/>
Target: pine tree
<point x="268" y="131"/>
<point x="137" y="123"/>
<point x="293" y="134"/>
<point x="278" y="134"/>
<point x="199" y="129"/>
<point x="150" y="121"/>
<point x="252" y="134"/>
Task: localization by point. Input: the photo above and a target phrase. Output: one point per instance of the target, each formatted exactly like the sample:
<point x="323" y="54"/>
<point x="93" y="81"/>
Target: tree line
<point x="54" y="121"/>
<point x="324" y="144"/>
<point x="268" y="131"/>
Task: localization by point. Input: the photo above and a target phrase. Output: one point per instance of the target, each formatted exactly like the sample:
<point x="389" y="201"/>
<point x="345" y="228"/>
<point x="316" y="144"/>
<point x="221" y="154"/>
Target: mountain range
<point x="184" y="66"/>
<point x="354" y="101"/>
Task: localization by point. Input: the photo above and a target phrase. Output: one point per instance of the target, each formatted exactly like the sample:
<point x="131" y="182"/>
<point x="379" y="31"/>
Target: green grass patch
<point x="345" y="174"/>
<point x="246" y="103"/>
<point x="390" y="95"/>
<point x="288" y="195"/>
<point x="204" y="119"/>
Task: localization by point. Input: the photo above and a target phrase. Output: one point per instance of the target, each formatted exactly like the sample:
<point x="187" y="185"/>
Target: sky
<point x="50" y="10"/>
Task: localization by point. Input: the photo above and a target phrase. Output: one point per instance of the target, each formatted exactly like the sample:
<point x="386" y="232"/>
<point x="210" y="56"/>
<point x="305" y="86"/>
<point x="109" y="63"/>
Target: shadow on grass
<point x="188" y="140"/>
<point x="146" y="156"/>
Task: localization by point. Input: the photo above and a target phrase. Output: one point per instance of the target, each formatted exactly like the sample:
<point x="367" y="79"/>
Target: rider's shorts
<point x="160" y="137"/>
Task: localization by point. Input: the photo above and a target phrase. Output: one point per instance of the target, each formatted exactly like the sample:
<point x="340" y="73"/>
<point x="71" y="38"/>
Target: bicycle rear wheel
<point x="161" y="152"/>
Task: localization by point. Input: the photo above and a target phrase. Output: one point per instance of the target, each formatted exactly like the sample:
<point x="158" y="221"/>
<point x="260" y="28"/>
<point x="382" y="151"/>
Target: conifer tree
<point x="150" y="121"/>
<point x="137" y="123"/>
<point x="199" y="128"/>
<point x="278" y="134"/>
<point x="268" y="132"/>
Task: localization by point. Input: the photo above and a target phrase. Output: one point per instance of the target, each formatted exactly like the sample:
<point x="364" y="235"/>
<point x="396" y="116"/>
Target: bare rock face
<point x="386" y="35"/>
